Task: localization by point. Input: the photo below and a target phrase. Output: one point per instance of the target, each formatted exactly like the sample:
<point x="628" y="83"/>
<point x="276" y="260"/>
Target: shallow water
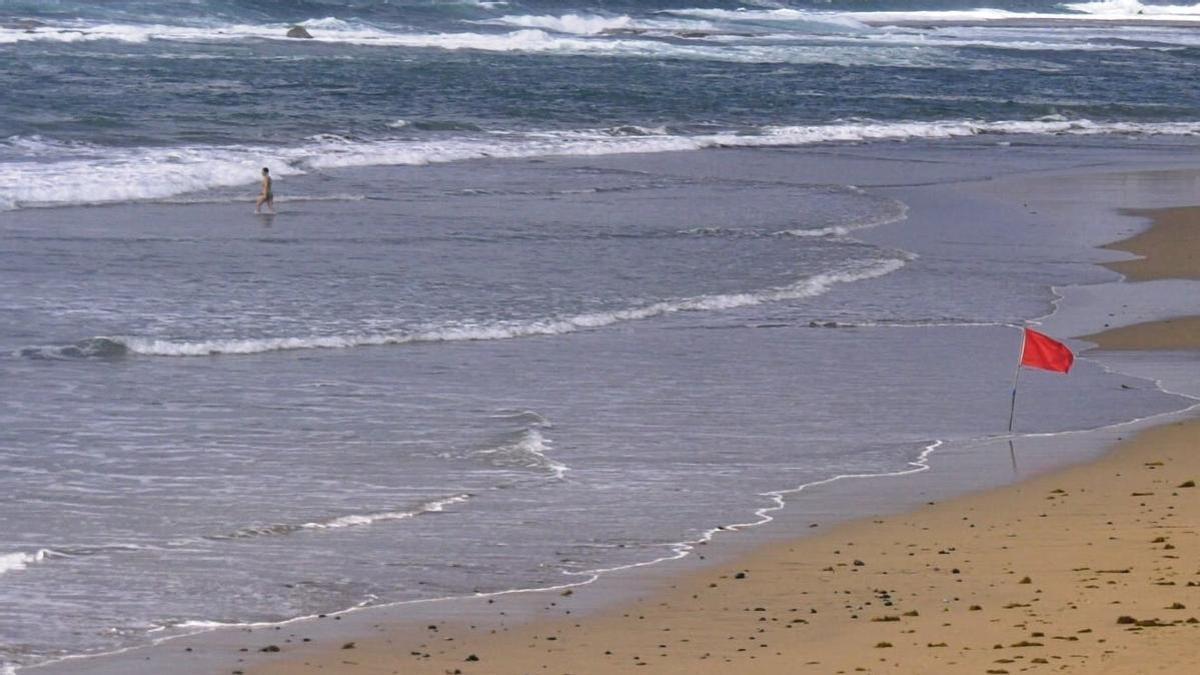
<point x="219" y="417"/>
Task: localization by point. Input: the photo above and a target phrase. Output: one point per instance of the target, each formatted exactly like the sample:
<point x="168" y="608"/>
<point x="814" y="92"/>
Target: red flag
<point x="1041" y="351"/>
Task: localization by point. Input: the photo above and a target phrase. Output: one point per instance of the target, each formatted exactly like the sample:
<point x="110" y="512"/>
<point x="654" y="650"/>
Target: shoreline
<point x="1168" y="249"/>
<point x="955" y="584"/>
<point x="538" y="604"/>
<point x="843" y="606"/>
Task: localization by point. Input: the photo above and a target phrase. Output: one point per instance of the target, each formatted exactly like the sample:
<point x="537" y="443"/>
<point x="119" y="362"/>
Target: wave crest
<point x="12" y="562"/>
<point x="525" y="450"/>
<point x="805" y="288"/>
<point x="60" y="174"/>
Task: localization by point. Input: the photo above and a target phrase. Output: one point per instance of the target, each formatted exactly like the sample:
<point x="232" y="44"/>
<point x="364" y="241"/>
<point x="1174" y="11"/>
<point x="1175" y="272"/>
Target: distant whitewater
<point x="54" y="174"/>
<point x="761" y="76"/>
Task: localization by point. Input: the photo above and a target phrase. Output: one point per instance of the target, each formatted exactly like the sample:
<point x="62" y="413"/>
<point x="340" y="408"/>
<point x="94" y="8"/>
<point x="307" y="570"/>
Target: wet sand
<point x="1169" y="334"/>
<point x="1090" y="569"/>
<point x="1169" y="249"/>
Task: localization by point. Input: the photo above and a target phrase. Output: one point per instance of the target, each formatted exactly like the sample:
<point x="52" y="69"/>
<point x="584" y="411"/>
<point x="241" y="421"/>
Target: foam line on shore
<point x="678" y="550"/>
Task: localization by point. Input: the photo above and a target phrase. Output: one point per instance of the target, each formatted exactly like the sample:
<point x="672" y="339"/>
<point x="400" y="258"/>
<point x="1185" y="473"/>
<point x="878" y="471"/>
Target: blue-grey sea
<point x="546" y="292"/>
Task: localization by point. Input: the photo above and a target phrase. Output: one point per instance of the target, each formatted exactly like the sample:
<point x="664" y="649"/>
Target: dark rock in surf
<point x="299" y="32"/>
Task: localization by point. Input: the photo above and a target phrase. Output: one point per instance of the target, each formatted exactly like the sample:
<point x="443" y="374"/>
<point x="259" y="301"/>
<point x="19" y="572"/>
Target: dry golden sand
<point x="1095" y="569"/>
<point x="1169" y="249"/>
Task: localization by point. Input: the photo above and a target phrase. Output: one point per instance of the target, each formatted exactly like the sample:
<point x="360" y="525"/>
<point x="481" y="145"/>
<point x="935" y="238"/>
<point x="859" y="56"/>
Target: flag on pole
<point x="1039" y="351"/>
<point x="1042" y="351"/>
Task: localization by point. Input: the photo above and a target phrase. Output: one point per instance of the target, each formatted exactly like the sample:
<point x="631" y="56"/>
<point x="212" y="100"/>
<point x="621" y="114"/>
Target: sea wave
<point x="50" y="173"/>
<point x="574" y="24"/>
<point x="1102" y="10"/>
<point x="360" y="519"/>
<point x="792" y="36"/>
<point x="525" y="450"/>
<point x="12" y="562"/>
<point x="1133" y="9"/>
<point x="775" y="16"/>
<point x="1123" y="11"/>
<point x="808" y="287"/>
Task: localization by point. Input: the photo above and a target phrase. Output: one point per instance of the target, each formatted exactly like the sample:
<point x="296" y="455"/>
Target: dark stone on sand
<point x="348" y="645"/>
<point x="472" y="657"/>
<point x="740" y="575"/>
<point x="859" y="563"/>
<point x="270" y="648"/>
<point x="299" y="32"/>
<point x="1188" y="484"/>
<point x="1126" y="619"/>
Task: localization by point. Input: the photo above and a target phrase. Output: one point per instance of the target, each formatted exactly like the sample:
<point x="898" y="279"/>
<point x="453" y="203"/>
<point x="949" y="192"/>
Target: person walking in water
<point x="267" y="197"/>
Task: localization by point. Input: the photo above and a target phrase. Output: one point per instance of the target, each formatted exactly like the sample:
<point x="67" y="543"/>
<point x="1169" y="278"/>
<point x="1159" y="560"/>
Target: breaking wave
<point x="349" y="520"/>
<point x="527" y="450"/>
<point x="53" y="173"/>
<point x="11" y="562"/>
<point x="805" y="288"/>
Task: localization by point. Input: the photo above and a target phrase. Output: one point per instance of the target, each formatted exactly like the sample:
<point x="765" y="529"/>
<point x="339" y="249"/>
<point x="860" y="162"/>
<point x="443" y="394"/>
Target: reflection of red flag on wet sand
<point x="1039" y="351"/>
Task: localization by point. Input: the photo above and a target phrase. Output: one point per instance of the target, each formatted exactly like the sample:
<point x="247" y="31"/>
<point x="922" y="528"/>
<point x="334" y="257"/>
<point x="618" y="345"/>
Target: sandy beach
<point x="1091" y="569"/>
<point x="1169" y="249"/>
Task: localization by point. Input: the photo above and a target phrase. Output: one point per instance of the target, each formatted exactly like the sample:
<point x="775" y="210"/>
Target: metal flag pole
<point x="1013" y="407"/>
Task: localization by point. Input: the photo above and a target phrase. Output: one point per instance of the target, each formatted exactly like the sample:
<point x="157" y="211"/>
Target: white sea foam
<point x="804" y="288"/>
<point x="839" y="20"/>
<point x="607" y="35"/>
<point x="356" y="520"/>
<point x="59" y="174"/>
<point x="1124" y="9"/>
<point x="1105" y="11"/>
<point x="11" y="562"/>
<point x="527" y="451"/>
<point x="899" y="212"/>
<point x="575" y="24"/>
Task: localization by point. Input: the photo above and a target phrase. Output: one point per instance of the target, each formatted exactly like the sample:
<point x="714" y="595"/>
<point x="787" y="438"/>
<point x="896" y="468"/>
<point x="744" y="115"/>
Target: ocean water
<point x="547" y="293"/>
